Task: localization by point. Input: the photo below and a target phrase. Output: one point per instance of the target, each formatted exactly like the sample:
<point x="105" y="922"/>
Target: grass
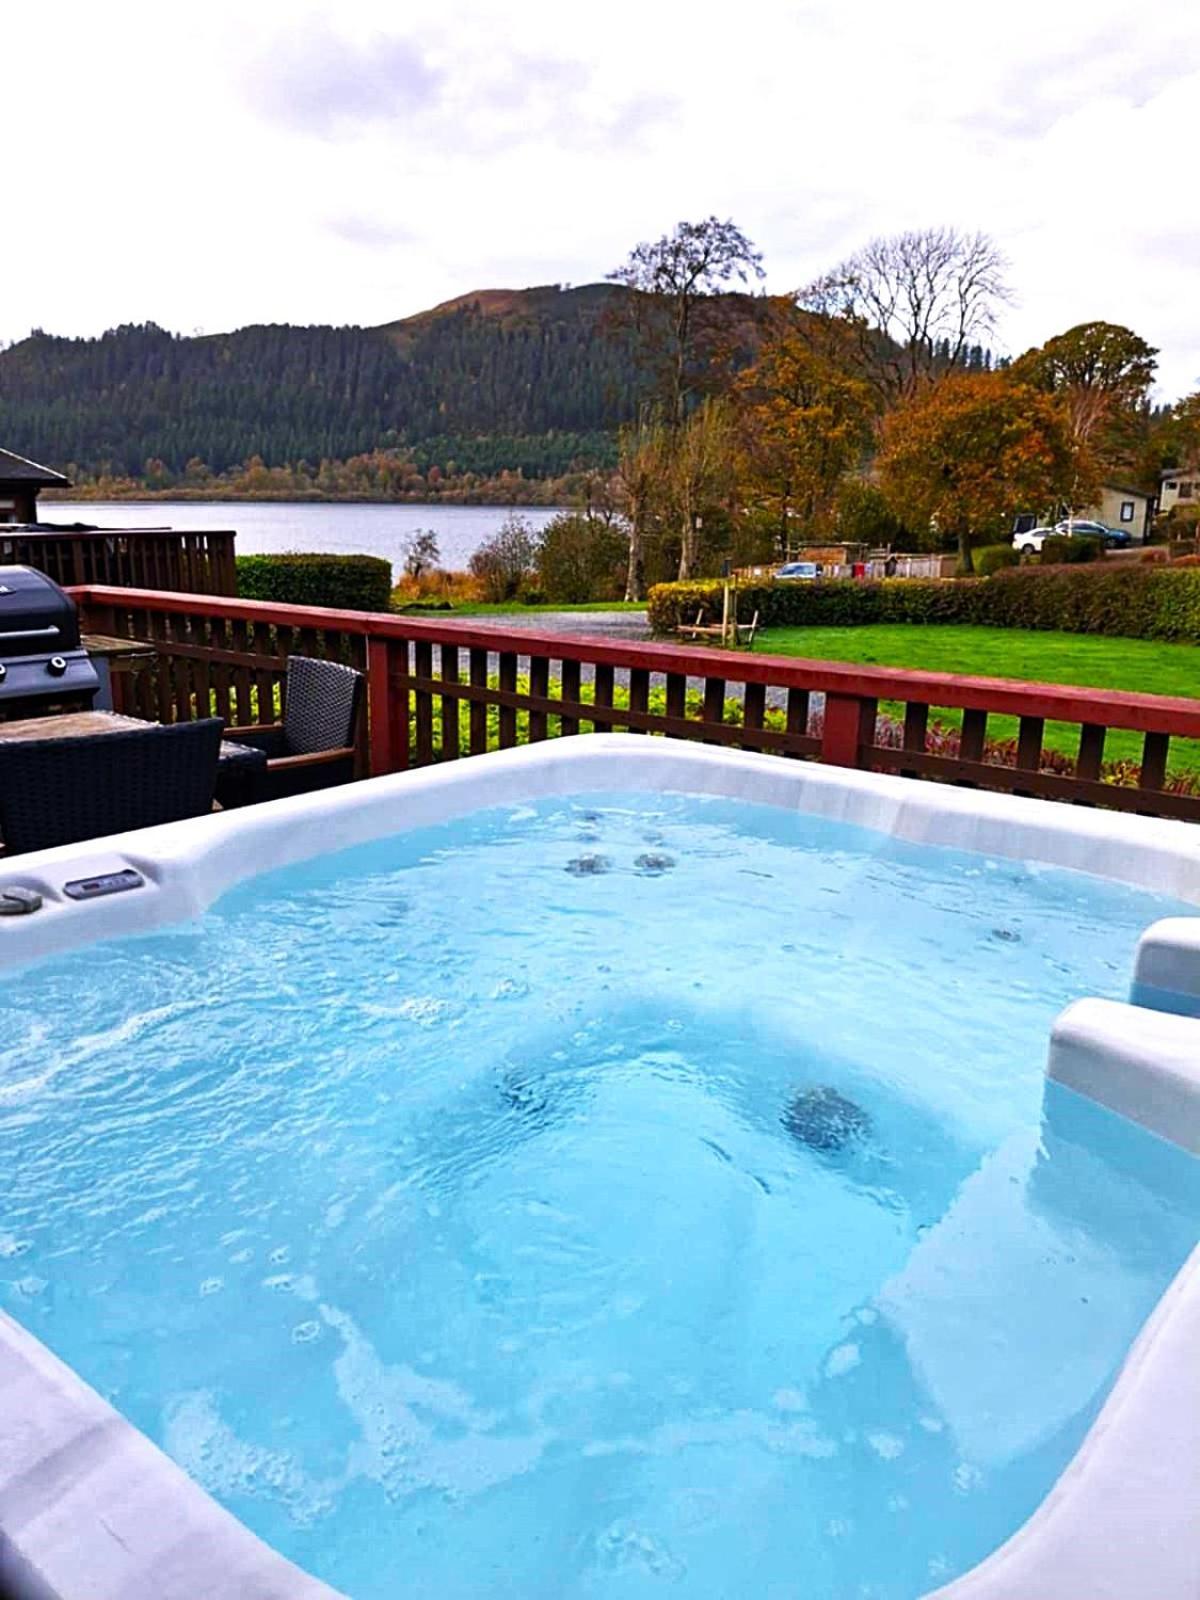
<point x="1090" y="660"/>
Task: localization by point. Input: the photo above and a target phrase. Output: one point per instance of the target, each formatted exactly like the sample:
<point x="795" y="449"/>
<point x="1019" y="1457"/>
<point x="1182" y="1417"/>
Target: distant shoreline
<point x="211" y="497"/>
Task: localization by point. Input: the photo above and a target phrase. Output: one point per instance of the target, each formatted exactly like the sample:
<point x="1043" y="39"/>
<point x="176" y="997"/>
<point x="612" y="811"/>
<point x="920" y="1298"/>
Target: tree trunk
<point x="687" y="548"/>
<point x="966" y="563"/>
<point x="635" y="572"/>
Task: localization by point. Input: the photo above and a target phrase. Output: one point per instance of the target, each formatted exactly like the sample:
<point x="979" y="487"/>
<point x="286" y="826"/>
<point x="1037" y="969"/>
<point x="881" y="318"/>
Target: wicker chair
<point x="313" y="747"/>
<point x="57" y="791"/>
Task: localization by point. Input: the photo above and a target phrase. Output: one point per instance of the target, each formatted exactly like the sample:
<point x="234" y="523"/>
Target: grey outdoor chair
<point x="58" y="791"/>
<point x="313" y="747"/>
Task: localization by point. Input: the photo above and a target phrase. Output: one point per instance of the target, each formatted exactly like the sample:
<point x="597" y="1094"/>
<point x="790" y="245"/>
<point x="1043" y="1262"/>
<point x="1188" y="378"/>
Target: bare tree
<point x="502" y="563"/>
<point x="909" y="307"/>
<point x="673" y="280"/>
<point x="420" y="552"/>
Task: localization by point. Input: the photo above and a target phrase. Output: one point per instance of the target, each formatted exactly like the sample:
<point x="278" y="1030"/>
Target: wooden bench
<point x="736" y="635"/>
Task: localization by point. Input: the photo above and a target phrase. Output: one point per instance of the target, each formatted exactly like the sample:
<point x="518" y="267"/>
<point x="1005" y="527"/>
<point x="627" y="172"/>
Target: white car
<point x="1030" y="542"/>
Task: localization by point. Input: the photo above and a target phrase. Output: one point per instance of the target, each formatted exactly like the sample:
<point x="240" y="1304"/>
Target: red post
<point x="849" y="723"/>
<point x="387" y="704"/>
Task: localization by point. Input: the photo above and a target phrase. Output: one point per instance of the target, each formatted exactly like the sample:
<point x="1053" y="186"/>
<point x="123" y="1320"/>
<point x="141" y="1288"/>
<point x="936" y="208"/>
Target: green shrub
<point x="1059" y="550"/>
<point x="1118" y="598"/>
<point x="581" y="558"/>
<point x="347" y="583"/>
<point x="993" y="557"/>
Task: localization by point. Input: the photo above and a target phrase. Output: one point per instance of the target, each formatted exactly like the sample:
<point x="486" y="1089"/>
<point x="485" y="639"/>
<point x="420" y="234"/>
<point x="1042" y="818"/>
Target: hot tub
<point x="610" y="1167"/>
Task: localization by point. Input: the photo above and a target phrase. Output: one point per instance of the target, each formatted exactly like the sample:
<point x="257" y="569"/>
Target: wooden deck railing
<point x="175" y="559"/>
<point x="440" y="690"/>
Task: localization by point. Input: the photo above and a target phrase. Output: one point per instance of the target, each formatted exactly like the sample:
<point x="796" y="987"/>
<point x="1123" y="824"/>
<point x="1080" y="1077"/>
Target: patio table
<point x="241" y="762"/>
<point x="113" y="657"/>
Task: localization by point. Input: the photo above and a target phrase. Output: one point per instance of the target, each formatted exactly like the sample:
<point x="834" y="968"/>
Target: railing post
<point x="387" y="705"/>
<point x="849" y="722"/>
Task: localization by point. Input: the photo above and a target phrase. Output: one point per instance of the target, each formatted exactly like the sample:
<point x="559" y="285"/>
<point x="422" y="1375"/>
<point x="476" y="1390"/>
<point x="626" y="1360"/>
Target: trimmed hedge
<point x="347" y="583"/>
<point x="992" y="557"/>
<point x="1059" y="550"/>
<point x="1120" y="598"/>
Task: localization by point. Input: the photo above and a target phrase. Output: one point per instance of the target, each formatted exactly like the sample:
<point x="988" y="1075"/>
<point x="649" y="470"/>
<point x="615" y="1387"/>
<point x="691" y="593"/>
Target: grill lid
<point x="36" y="617"/>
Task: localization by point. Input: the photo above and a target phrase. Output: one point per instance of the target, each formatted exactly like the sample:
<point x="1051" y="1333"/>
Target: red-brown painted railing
<point x="230" y="655"/>
<point x="135" y="558"/>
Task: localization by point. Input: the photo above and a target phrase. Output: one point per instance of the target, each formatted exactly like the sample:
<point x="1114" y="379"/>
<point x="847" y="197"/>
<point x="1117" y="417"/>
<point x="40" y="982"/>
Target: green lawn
<point x="1144" y="665"/>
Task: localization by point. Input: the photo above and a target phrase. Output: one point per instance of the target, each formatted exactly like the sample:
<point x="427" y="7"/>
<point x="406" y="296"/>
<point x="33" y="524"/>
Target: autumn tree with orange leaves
<point x="802" y="425"/>
<point x="961" y="457"/>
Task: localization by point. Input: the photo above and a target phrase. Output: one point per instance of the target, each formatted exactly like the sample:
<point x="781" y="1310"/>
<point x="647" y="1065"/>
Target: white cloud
<point x="232" y="163"/>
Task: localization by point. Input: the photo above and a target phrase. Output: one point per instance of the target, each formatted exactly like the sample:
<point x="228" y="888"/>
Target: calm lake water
<point x="267" y="527"/>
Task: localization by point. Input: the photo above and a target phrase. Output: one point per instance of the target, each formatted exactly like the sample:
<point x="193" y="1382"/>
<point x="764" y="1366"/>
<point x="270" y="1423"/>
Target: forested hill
<point x="532" y="379"/>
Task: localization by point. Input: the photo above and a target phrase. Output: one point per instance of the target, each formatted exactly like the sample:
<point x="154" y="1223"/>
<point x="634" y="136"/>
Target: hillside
<point x="524" y="379"/>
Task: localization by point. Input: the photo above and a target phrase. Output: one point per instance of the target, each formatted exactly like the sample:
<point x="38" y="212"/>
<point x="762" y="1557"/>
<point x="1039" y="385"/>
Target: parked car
<point x="1030" y="542"/>
<point x="1114" y="538"/>
<point x="801" y="571"/>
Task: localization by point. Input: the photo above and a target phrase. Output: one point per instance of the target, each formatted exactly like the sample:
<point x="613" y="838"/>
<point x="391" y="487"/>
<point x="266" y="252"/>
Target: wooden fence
<point x="441" y="690"/>
<point x="192" y="562"/>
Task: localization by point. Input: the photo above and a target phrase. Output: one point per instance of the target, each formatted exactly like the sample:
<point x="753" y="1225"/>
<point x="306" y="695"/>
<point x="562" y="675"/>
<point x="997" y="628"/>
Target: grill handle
<point x="30" y="633"/>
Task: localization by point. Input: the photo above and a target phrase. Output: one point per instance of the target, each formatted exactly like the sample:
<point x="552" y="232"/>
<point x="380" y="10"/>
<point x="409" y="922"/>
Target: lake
<point x="266" y="527"/>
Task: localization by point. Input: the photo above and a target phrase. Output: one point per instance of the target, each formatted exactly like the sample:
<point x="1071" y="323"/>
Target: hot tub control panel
<point x="103" y="883"/>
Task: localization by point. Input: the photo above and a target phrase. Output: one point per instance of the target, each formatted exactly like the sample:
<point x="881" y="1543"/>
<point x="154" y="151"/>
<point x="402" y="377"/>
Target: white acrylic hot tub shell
<point x="91" y="1510"/>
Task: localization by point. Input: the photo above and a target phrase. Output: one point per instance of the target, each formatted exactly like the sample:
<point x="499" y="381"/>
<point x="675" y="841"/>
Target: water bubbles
<point x="625" y="1548"/>
<point x="425" y="1010"/>
<point x="887" y="1446"/>
<point x="841" y="1360"/>
<point x="509" y="989"/>
<point x="790" y="1400"/>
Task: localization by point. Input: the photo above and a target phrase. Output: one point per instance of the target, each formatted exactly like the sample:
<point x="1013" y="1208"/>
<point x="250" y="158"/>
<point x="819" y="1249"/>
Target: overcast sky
<point x="210" y="165"/>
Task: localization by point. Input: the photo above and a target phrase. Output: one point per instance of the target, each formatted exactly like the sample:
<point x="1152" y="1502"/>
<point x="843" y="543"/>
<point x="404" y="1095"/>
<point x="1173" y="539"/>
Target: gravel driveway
<point x="614" y="627"/>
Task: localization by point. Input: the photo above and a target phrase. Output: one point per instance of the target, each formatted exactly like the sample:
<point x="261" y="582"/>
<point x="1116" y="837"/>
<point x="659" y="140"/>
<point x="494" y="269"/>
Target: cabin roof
<point x="19" y="469"/>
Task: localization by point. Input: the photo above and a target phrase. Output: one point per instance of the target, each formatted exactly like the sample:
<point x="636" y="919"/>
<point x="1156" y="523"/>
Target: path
<point x="614" y="627"/>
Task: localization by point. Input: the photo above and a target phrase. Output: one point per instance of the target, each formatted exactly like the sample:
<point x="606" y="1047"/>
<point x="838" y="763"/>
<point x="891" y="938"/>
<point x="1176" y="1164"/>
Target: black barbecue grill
<point x="43" y="666"/>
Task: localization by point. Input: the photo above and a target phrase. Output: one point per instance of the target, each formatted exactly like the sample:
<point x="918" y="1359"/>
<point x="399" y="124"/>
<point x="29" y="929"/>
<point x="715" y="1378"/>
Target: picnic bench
<point x="730" y="632"/>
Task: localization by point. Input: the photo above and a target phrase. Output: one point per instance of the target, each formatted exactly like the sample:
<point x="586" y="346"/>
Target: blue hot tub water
<point x="444" y="1207"/>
